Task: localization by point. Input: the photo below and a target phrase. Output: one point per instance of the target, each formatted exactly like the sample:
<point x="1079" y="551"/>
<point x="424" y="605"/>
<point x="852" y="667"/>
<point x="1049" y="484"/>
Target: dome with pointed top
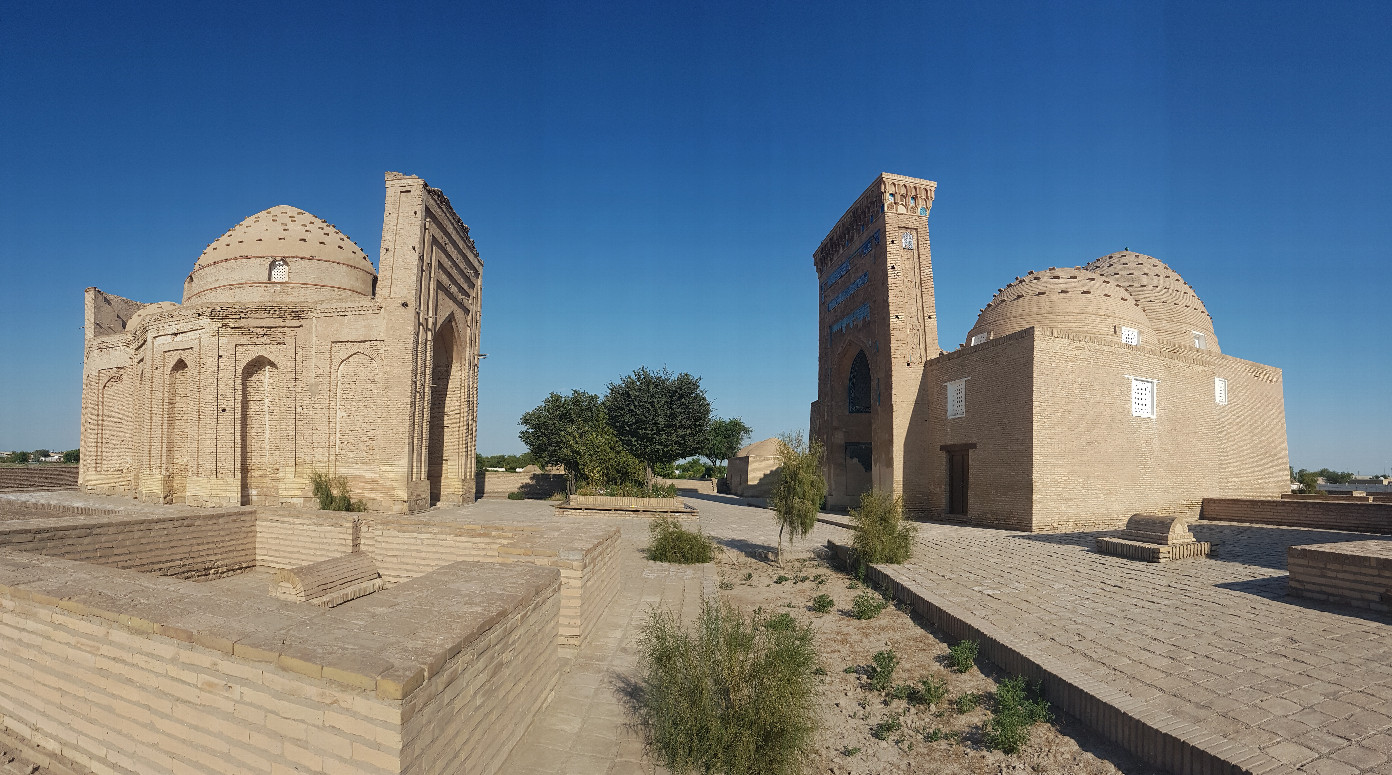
<point x="1171" y="303"/>
<point x="281" y="254"/>
<point x="1067" y="299"/>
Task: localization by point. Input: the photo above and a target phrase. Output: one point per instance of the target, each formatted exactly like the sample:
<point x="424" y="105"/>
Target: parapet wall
<point x="115" y="670"/>
<point x="1322" y="514"/>
<point x="185" y="546"/>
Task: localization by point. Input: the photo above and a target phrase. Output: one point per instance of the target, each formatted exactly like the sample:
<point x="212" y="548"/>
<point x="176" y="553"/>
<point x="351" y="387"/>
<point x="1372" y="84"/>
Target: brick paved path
<point x="1215" y="645"/>
<point x="586" y="730"/>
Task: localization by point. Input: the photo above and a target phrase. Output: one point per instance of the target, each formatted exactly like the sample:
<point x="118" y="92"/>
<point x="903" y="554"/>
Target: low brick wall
<point x="38" y="476"/>
<point x="195" y="545"/>
<point x="1356" y="573"/>
<point x="1331" y="514"/>
<point x="586" y="555"/>
<point x="119" y="673"/>
<point x="499" y="484"/>
<point x="614" y="506"/>
<point x="288" y="539"/>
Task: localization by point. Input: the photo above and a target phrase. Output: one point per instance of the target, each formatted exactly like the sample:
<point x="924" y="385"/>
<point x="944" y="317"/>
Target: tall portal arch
<point x="179" y="413"/>
<point x="444" y="445"/>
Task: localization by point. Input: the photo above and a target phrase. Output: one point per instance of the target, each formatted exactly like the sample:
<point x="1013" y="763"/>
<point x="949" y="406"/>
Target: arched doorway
<point x="858" y="459"/>
<point x="260" y="464"/>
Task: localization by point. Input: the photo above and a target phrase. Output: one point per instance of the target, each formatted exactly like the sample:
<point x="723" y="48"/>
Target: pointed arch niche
<point x="444" y="448"/>
<point x="180" y="413"/>
<point x="260" y="431"/>
<point x="356" y="445"/>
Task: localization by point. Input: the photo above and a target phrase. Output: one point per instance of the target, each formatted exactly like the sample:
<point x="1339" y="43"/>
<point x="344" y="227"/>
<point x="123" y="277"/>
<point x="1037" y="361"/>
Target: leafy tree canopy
<point x="724" y="437"/>
<point x="658" y="416"/>
<point x="555" y="431"/>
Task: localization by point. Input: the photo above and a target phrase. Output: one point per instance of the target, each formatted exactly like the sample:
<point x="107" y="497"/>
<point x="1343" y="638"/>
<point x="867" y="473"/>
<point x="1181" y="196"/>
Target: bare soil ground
<point x="867" y="731"/>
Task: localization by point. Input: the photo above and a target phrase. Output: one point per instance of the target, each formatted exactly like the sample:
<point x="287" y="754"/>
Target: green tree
<point x="72" y="456"/>
<point x="724" y="437"/>
<point x="555" y="431"/>
<point x="603" y="460"/>
<point x="19" y="457"/>
<point x="658" y="416"/>
<point x="691" y="469"/>
<point x="797" y="497"/>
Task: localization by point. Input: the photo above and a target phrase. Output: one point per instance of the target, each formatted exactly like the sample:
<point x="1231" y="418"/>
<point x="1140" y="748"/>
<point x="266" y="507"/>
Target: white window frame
<point x="1220" y="391"/>
<point x="1154" y="385"/>
<point x="1200" y="340"/>
<point x="956" y="406"/>
<point x="1130" y="335"/>
<point x="979" y="338"/>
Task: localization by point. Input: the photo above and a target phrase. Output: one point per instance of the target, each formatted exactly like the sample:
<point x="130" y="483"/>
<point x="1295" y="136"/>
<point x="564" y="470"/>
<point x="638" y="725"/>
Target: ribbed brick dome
<point x="1171" y="303"/>
<point x="1069" y="299"/>
<point x="280" y="254"/>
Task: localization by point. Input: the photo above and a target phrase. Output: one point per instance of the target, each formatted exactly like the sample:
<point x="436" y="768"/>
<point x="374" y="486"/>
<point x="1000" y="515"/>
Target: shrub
<point x="516" y="496"/>
<point x="731" y="695"/>
<point x="800" y="487"/>
<point x="967" y="703"/>
<point x="669" y="542"/>
<point x="963" y="655"/>
<point x="881" y="534"/>
<point x="823" y="603"/>
<point x="782" y="621"/>
<point x="882" y="673"/>
<point x="1017" y="708"/>
<point x="885" y="728"/>
<point x="929" y="691"/>
<point x="868" y="605"/>
<point x="332" y="493"/>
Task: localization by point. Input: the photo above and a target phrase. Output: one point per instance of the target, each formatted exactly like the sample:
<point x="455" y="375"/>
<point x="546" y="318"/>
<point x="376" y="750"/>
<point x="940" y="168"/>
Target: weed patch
<point x="882" y="672"/>
<point x="823" y="603"/>
<point x="963" y="655"/>
<point x="1017" y="708"/>
<point x="868" y="605"/>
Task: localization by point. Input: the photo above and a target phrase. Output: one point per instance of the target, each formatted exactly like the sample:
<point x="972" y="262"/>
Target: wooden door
<point x="958" y="471"/>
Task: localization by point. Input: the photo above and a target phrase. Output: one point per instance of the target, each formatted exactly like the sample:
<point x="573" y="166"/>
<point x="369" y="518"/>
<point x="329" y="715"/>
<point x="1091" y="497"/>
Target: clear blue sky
<point x="647" y="182"/>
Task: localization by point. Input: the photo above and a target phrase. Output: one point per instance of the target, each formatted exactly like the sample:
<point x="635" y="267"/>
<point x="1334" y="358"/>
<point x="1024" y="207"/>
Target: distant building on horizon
<point x="1081" y="395"/>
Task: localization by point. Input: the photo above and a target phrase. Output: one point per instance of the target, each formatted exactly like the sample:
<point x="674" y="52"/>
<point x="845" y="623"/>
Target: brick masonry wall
<point x="289" y="539"/>
<point x="112" y="670"/>
<point x="46" y="476"/>
<point x="185" y="546"/>
<point x="999" y="405"/>
<point x="498" y="484"/>
<point x="585" y="555"/>
<point x="1357" y="573"/>
<point x="1325" y="515"/>
<point x="1095" y="464"/>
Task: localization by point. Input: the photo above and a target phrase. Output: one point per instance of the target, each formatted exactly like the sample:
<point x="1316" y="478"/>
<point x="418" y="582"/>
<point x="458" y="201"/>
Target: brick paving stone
<point x="1358" y="756"/>
<point x="1215" y="642"/>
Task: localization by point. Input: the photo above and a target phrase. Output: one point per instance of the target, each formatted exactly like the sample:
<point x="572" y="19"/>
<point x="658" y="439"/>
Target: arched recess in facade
<point x="179" y="414"/>
<point x="113" y="447"/>
<point x="357" y="407"/>
<point x="445" y="446"/>
<point x="259" y="432"/>
<point x="849" y="451"/>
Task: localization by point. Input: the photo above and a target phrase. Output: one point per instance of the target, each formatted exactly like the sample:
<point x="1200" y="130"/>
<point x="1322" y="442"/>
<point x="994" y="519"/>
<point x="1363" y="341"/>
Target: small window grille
<point x="1130" y="335"/>
<point x="1142" y="397"/>
<point x="956" y="399"/>
<point x="1200" y="341"/>
<point x="280" y="270"/>
<point x="979" y="338"/>
<point x="1220" y="390"/>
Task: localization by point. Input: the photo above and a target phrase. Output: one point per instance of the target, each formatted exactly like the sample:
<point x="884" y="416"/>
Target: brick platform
<point x="1357" y="573"/>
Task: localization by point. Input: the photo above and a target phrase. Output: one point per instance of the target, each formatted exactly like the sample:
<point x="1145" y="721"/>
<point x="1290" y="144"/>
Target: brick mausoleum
<point x="1081" y="396"/>
<point x="291" y="355"/>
